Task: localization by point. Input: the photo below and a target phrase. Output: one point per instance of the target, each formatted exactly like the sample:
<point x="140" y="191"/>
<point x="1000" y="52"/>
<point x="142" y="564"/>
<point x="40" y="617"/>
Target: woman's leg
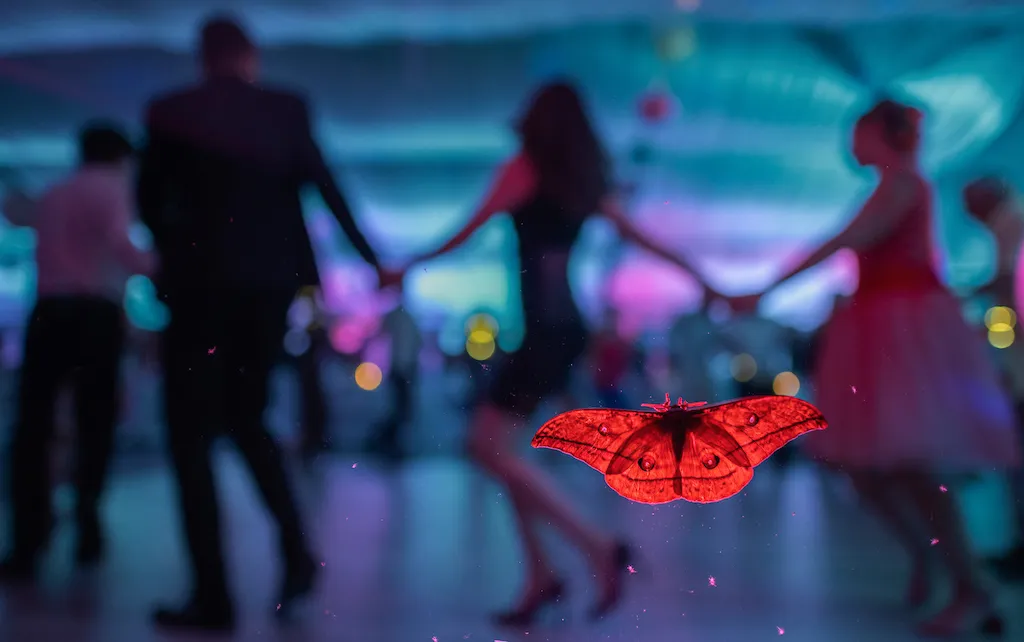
<point x="942" y="513"/>
<point x="534" y="499"/>
<point x="884" y="495"/>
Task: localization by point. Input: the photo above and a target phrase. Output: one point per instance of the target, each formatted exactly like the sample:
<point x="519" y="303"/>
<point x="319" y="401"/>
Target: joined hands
<point x="390" y="278"/>
<point x="745" y="304"/>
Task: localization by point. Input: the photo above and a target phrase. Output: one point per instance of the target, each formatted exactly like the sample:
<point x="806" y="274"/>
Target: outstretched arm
<point x="315" y="170"/>
<point x="614" y="211"/>
<point x="885" y="210"/>
<point x="514" y="184"/>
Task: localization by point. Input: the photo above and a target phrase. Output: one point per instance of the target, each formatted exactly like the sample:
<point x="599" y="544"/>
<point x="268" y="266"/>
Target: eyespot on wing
<point x="593" y="436"/>
<point x="761" y="425"/>
<point x="646" y="469"/>
<point x="706" y="476"/>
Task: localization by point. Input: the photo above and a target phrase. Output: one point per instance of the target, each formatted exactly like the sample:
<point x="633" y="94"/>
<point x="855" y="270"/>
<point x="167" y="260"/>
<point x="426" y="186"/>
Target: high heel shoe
<point x="623" y="560"/>
<point x="958" y="620"/>
<point x="526" y="613"/>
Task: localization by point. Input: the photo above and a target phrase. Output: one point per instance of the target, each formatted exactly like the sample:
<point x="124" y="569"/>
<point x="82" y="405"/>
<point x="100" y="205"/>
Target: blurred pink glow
<point x="349" y="335"/>
<point x="647" y="292"/>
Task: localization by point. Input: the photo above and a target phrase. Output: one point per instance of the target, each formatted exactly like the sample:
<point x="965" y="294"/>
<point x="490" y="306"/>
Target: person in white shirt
<point x="406" y="344"/>
<point x="75" y="335"/>
<point x="992" y="201"/>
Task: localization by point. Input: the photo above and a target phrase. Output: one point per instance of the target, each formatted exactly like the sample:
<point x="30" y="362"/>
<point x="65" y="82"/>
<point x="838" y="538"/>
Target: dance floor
<point x="423" y="552"/>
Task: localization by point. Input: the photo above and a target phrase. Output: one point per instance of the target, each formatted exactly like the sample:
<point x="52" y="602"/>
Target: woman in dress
<point x="557" y="180"/>
<point x="906" y="385"/>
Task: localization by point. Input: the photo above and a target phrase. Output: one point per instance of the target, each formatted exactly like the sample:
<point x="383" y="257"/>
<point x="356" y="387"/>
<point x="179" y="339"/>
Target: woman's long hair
<point x="560" y="142"/>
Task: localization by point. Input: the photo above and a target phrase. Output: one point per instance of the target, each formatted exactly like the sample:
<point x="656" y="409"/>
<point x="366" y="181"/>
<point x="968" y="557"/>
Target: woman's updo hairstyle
<point x="900" y="124"/>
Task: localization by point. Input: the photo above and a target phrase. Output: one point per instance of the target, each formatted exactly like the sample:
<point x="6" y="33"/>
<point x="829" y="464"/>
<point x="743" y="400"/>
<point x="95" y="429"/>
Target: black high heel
<point x="299" y="583"/>
<point x="623" y="562"/>
<point x="993" y="627"/>
<point x="527" y="614"/>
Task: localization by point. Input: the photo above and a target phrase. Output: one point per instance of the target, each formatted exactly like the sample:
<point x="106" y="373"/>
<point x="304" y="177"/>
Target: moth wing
<point x="593" y="436"/>
<point x="707" y="474"/>
<point x="756" y="426"/>
<point x="646" y="468"/>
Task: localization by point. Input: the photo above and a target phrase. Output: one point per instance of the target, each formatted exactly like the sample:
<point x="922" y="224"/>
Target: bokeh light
<point x="677" y="44"/>
<point x="482" y="323"/>
<point x="1001" y="336"/>
<point x="1000" y="319"/>
<point x="481" y="336"/>
<point x="786" y="384"/>
<point x="743" y="367"/>
<point x="368" y="376"/>
<point x="481" y="351"/>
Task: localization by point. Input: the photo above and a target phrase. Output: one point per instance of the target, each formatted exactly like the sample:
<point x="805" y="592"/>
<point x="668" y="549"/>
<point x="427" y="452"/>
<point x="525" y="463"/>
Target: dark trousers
<point x="218" y="353"/>
<point x="403" y="405"/>
<point x="76" y="340"/>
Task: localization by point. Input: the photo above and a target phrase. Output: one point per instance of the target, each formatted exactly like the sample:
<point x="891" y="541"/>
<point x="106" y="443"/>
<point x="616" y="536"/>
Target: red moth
<point x="688" y="451"/>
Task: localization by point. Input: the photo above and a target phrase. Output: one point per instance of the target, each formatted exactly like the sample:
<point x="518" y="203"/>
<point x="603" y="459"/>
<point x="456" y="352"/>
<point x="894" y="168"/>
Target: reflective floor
<point x="426" y="552"/>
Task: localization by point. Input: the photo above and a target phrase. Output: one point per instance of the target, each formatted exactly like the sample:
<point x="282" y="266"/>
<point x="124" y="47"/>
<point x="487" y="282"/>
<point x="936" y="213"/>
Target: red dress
<point x="901" y="377"/>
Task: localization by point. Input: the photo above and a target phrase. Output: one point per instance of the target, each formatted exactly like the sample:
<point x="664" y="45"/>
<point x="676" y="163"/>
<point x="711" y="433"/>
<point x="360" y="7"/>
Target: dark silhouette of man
<point x="219" y="187"/>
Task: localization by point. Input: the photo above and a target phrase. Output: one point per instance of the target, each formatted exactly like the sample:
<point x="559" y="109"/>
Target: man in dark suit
<point x="219" y="187"/>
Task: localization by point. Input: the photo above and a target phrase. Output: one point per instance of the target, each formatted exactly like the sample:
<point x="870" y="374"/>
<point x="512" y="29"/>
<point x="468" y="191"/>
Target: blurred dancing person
<point x="219" y="188"/>
<point x="905" y="383"/>
<point x="403" y="375"/>
<point x="550" y="187"/>
<point x="611" y="359"/>
<point x="75" y="335"/>
<point x="992" y="202"/>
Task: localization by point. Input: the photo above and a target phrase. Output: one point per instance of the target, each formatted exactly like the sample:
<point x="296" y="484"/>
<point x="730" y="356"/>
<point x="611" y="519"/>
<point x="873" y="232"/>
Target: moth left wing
<point x="646" y="468"/>
<point x="592" y="435"/>
<point x="748" y="431"/>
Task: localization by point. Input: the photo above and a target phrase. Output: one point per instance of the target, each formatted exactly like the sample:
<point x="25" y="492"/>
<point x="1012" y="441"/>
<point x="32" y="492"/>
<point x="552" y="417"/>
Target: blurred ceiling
<point x="44" y="24"/>
<point x="414" y="99"/>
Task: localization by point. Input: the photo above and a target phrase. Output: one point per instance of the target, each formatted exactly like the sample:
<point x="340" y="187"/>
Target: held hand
<point x="745" y="304"/>
<point x="390" y="278"/>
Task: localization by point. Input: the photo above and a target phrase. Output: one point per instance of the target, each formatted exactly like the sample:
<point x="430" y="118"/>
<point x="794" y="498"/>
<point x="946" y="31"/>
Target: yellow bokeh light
<point x="743" y="367"/>
<point x="481" y="351"/>
<point x="786" y="384"/>
<point x="482" y="322"/>
<point x="368" y="376"/>
<point x="481" y="336"/>
<point x="999" y="316"/>
<point x="1001" y="336"/>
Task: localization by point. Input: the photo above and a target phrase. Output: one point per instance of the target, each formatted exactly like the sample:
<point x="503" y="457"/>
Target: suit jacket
<point x="219" y="187"/>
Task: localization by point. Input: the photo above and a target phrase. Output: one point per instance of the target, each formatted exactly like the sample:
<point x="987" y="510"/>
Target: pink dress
<point x="901" y="378"/>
